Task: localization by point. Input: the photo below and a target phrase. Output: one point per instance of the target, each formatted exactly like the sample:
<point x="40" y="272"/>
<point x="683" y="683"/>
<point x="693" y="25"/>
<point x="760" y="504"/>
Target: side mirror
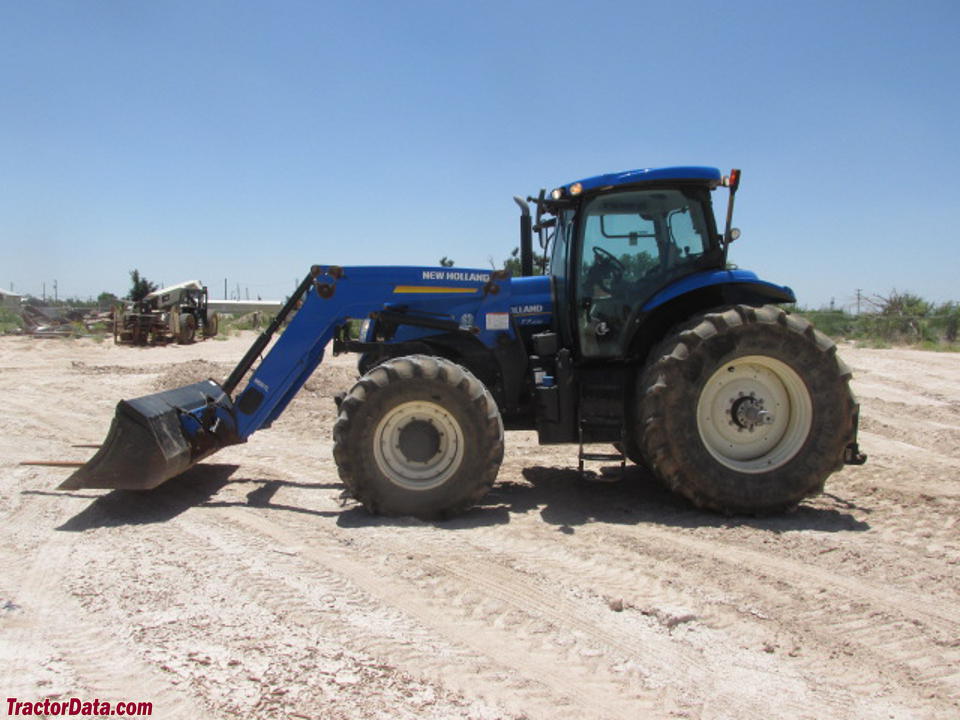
<point x="543" y="224"/>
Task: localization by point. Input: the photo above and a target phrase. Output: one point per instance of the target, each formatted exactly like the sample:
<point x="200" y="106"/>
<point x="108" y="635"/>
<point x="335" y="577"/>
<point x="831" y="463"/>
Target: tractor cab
<point x="618" y="240"/>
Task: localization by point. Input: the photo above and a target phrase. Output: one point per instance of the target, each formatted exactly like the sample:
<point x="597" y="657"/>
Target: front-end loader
<point x="640" y="336"/>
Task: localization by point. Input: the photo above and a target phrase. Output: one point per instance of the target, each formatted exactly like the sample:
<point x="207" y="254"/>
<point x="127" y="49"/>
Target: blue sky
<point x="247" y="140"/>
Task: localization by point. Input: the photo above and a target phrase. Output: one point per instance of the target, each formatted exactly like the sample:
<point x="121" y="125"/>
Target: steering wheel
<point x="607" y="269"/>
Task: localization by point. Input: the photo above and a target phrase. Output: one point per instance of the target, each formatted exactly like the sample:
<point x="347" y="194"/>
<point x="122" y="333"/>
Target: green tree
<point x="140" y="287"/>
<point x="446" y="262"/>
<point x="898" y="304"/>
<point x="512" y="263"/>
<point x="901" y="316"/>
<point x="948" y="314"/>
<point x="106" y="300"/>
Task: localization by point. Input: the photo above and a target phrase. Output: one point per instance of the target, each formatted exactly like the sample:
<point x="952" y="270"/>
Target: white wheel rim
<point x="417" y="474"/>
<point x="754" y="414"/>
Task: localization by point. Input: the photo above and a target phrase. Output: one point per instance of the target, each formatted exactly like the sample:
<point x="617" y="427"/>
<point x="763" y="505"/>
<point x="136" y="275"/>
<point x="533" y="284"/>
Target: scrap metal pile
<point x="63" y="321"/>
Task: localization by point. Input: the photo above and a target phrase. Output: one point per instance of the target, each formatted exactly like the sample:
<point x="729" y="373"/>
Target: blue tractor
<point x="639" y="336"/>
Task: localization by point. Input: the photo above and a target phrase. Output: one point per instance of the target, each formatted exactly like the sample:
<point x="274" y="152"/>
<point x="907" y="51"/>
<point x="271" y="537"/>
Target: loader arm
<point x="159" y="436"/>
<point x="335" y="295"/>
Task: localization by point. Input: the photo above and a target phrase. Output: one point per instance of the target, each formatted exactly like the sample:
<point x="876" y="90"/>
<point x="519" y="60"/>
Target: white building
<point x="10" y="300"/>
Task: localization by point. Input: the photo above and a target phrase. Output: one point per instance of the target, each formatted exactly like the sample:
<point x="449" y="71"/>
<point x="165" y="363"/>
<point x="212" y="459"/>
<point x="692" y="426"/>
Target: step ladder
<point x="583" y="456"/>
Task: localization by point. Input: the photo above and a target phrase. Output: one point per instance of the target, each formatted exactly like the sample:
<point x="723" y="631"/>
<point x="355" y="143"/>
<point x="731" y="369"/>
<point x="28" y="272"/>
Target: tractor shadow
<point x="566" y="500"/>
<point x="561" y="496"/>
<point x="195" y="488"/>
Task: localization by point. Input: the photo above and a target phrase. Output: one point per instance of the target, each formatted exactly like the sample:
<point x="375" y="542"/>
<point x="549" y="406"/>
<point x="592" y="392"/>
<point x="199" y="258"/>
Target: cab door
<point x="630" y="244"/>
<point x="562" y="288"/>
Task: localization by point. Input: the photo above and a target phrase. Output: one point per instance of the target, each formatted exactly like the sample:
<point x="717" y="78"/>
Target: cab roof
<point x="710" y="176"/>
<point x="188" y="285"/>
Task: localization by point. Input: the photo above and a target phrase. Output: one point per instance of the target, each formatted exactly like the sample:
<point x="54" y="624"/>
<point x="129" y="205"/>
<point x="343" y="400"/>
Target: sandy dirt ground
<point x="248" y="588"/>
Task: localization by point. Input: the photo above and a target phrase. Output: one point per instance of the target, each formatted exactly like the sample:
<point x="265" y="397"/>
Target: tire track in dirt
<point x="305" y="593"/>
<point x="919" y="421"/>
<point x="663" y="646"/>
<point x="875" y="386"/>
<point x="500" y="598"/>
<point x="881" y="373"/>
<point x="896" y="493"/>
<point x="920" y="458"/>
<point x="465" y="628"/>
<point x="914" y="539"/>
<point x="306" y="604"/>
<point x="27" y="581"/>
<point x="186" y="603"/>
<point x="748" y="605"/>
<point x="56" y="630"/>
<point x="500" y="536"/>
<point x="883" y="622"/>
<point x="745" y="617"/>
<point x="933" y="612"/>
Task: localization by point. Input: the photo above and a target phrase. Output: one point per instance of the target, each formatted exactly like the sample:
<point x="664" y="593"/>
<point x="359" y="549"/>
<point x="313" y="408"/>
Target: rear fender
<point x="731" y="282"/>
<point x="696" y="294"/>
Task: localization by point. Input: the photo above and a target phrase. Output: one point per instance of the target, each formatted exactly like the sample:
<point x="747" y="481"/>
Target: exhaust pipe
<point x="526" y="237"/>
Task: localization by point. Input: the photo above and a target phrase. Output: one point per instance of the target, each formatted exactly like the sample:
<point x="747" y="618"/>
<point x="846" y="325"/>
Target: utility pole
<point x="224" y="288"/>
<point x="55" y="298"/>
<point x="858" y="300"/>
<point x="43" y="293"/>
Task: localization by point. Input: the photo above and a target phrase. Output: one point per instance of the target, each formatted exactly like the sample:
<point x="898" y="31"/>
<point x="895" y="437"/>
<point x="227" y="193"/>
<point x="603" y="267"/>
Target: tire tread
<point x="664" y="390"/>
<point x="475" y="396"/>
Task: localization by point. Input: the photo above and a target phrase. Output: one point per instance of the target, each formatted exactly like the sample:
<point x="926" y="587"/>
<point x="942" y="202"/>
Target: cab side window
<point x="684" y="235"/>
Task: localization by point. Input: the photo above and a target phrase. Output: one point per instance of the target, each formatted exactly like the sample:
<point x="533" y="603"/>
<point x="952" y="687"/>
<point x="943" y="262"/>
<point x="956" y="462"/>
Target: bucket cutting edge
<point x="156" y="437"/>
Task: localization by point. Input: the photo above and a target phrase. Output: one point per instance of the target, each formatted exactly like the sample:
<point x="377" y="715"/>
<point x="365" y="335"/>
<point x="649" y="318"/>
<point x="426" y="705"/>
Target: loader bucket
<point x="156" y="437"/>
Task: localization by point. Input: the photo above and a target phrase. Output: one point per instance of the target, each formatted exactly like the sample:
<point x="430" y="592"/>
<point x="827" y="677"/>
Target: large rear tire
<point x="212" y="324"/>
<point x="418" y="435"/>
<point x="745" y="410"/>
<point x="630" y="451"/>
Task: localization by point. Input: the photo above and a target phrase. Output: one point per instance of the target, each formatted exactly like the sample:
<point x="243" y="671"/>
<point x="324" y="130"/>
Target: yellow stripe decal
<point x="432" y="289"/>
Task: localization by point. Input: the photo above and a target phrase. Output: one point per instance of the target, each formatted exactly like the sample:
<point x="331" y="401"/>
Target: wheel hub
<point x="419" y="441"/>
<point x="418" y="445"/>
<point x="747" y="412"/>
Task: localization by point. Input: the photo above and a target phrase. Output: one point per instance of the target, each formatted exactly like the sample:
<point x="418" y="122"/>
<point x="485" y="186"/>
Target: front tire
<point x="212" y="324"/>
<point x="745" y="410"/>
<point x="188" y="329"/>
<point x="418" y="435"/>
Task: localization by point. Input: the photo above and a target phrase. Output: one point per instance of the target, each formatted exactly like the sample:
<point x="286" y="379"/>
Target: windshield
<point x="647" y="231"/>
